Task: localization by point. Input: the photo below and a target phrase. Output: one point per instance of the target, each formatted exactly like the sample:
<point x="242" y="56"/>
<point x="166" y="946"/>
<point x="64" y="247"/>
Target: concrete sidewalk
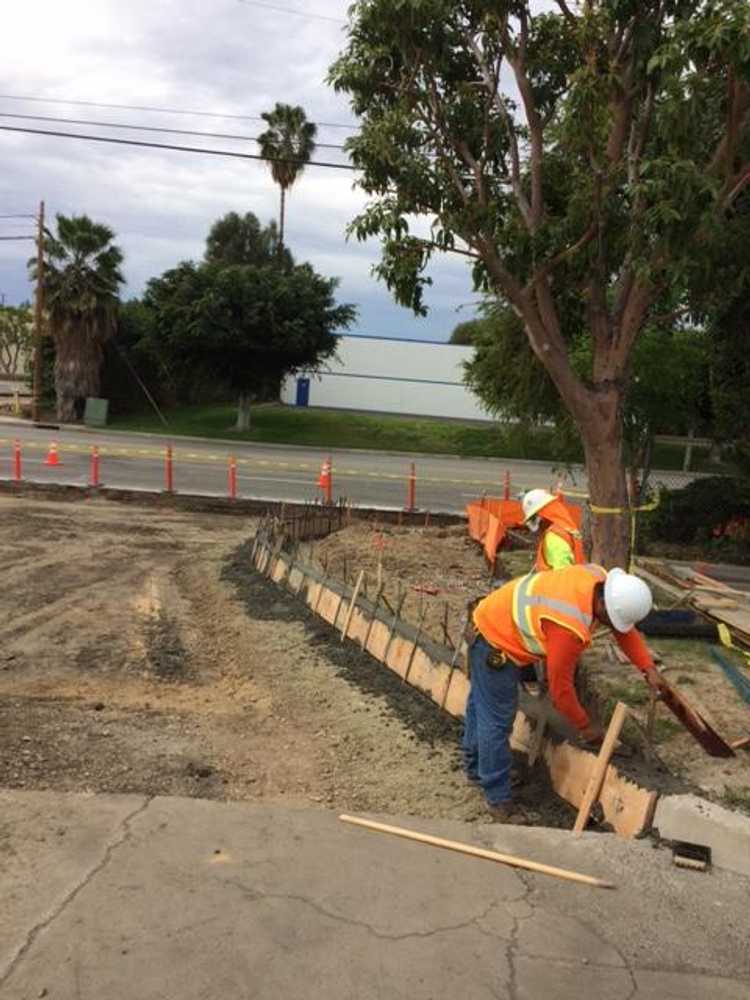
<point x="120" y="897"/>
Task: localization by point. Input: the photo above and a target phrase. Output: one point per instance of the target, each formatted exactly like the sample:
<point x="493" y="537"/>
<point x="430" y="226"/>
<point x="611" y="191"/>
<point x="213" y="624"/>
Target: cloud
<point x="224" y="56"/>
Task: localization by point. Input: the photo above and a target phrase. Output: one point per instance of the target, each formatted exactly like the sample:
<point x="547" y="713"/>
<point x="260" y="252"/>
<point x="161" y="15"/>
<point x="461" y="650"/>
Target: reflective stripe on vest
<point x="524" y="600"/>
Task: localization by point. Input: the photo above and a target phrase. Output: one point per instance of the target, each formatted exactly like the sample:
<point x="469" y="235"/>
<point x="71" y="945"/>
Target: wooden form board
<point x="628" y="807"/>
<point x="691" y="584"/>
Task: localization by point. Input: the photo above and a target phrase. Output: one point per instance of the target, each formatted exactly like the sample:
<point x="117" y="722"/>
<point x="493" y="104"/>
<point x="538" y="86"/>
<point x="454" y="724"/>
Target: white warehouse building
<point x="389" y="375"/>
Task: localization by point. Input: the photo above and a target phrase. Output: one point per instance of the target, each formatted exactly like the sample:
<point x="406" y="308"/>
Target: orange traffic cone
<point x="325" y="480"/>
<point x="52" y="456"/>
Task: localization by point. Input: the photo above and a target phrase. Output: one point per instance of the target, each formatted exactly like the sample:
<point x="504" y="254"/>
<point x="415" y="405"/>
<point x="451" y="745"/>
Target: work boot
<point x="507" y="812"/>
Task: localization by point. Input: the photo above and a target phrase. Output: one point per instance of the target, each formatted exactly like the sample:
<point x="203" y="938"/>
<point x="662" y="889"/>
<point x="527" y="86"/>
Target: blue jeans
<point x="490" y="711"/>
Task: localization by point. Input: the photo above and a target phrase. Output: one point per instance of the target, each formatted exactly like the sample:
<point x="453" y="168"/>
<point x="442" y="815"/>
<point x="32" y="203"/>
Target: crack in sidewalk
<point x="257" y="896"/>
<point x="36" y="930"/>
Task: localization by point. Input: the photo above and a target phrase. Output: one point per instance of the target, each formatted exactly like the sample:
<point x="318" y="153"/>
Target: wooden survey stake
<point x="594" y="787"/>
<point x="352" y="604"/>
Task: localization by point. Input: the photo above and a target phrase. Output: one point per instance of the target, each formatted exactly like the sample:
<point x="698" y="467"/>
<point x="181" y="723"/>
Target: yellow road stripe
<point x="209" y="458"/>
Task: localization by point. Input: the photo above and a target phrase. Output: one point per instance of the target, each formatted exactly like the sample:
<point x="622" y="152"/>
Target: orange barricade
<point x="478" y="521"/>
<point x="493" y="539"/>
<point x="488" y="520"/>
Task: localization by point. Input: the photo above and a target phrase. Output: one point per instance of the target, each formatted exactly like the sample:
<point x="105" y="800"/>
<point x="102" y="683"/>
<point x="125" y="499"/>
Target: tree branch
<point x="536" y="159"/>
<point x="566" y="12"/>
<point x="738" y="184"/>
<point x="492" y="85"/>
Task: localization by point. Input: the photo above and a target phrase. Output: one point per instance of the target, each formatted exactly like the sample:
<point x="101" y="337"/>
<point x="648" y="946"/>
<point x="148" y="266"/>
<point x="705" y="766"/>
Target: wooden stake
<point x="446" y="612"/>
<point x="396" y="616"/>
<point x="417" y="637"/>
<point x="456" y="652"/>
<point x="651" y="718"/>
<point x="366" y="637"/>
<point x="594" y="788"/>
<point x="352" y="603"/>
<point x="478" y="852"/>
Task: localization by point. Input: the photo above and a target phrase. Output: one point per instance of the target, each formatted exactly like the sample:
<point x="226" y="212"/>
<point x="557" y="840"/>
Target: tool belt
<point x="497" y="659"/>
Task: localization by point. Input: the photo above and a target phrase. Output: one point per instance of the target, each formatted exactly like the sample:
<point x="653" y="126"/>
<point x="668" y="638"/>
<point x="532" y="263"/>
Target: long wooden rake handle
<point x="478" y="852"/>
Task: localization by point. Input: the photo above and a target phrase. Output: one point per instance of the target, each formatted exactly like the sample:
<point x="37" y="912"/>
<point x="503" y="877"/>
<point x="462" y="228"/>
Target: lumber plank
<point x="352" y="604"/>
<point x="596" y="780"/>
<point x="478" y="852"/>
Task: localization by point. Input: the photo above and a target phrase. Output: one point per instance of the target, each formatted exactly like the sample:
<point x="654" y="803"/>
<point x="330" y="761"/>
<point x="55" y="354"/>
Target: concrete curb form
<point x="433" y="669"/>
<point x="689" y="817"/>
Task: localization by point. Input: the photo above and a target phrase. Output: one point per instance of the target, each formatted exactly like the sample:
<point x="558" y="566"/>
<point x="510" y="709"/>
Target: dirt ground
<point x="139" y="652"/>
<point x="437" y="570"/>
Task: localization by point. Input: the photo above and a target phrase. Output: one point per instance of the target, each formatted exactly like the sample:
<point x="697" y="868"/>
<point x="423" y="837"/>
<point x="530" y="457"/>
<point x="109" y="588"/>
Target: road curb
<point x="692" y="818"/>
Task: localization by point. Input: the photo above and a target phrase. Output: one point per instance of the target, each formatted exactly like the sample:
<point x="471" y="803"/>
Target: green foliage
<point x="248" y="326"/>
<point x="730" y="374"/>
<point x="701" y="510"/>
<point x="512" y="383"/>
<point x="505" y="374"/>
<point x="16" y="339"/>
<point x="241" y="239"/>
<point x="464" y="334"/>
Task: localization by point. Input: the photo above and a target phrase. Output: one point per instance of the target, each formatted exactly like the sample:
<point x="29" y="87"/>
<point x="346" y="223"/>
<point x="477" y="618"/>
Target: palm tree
<point x="287" y="144"/>
<point x="81" y="295"/>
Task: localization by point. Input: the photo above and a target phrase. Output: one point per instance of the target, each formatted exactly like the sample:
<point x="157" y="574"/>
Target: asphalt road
<point x="272" y="472"/>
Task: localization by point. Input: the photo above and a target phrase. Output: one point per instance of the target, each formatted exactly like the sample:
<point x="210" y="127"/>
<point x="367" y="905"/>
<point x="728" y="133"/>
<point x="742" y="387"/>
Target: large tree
<point x="249" y="326"/>
<point x="81" y="295"/>
<point x="241" y="239"/>
<point x="16" y="339"/>
<point x="585" y="160"/>
<point x="287" y="144"/>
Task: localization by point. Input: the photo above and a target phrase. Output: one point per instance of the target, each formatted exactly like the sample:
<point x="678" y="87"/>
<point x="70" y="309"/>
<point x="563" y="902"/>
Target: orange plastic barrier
<point x="478" y="521"/>
<point x="488" y="520"/>
<point x="493" y="539"/>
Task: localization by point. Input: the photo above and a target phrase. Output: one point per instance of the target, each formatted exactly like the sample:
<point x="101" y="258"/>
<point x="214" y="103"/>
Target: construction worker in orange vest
<point x="549" y="615"/>
<point x="560" y="542"/>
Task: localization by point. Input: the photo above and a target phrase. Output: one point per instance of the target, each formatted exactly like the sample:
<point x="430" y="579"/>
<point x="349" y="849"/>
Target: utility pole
<point x="38" y="317"/>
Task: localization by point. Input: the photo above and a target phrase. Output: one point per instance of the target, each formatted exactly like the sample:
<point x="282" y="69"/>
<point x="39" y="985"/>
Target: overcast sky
<point x="225" y="56"/>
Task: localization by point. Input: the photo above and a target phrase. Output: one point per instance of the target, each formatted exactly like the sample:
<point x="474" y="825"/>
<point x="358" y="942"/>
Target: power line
<point x="288" y="10"/>
<point x="17" y="216"/>
<point x="163" y="111"/>
<point x="8" y="238"/>
<point x="148" y="128"/>
<point x="181" y="149"/>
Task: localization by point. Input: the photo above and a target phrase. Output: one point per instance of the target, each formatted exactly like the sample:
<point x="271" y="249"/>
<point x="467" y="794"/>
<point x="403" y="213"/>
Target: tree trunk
<point x="77" y="373"/>
<point x="603" y="444"/>
<point x="281" y="222"/>
<point x="243" y="412"/>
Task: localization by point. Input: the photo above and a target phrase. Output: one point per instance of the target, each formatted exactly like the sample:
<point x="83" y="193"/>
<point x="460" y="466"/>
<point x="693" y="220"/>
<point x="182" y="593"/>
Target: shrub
<point x="710" y="509"/>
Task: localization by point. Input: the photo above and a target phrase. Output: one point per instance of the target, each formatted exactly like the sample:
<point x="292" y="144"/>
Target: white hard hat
<point x="533" y="501"/>
<point x="626" y="598"/>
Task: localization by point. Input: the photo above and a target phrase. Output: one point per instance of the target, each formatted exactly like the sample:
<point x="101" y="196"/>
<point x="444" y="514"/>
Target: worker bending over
<point x="560" y="542"/>
<point x="549" y="615"/>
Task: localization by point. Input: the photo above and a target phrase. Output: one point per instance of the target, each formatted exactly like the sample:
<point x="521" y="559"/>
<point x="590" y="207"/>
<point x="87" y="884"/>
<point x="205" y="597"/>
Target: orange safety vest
<point x="571" y="537"/>
<point x="511" y="618"/>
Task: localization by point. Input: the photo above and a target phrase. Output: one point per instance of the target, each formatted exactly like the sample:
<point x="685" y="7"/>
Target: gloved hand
<point x="653" y="679"/>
